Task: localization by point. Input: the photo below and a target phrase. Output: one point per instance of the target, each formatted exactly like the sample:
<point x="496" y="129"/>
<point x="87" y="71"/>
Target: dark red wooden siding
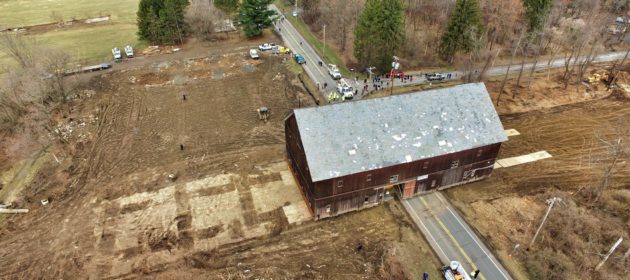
<point x="356" y="191"/>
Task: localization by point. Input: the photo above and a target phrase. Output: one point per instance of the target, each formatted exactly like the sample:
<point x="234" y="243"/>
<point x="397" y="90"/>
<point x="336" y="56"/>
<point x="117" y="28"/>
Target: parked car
<point x="435" y="77"/>
<point x="254" y="54"/>
<point x="299" y="58"/>
<point x="266" y="46"/>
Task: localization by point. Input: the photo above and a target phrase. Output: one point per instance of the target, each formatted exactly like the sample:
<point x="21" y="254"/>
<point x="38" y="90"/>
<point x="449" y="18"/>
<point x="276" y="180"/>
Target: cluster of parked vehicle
<point x="275" y="49"/>
<point x="118" y="55"/>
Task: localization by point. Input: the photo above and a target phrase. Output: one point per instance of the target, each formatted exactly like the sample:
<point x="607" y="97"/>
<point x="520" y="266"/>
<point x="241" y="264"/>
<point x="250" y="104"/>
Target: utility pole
<point x="551" y="202"/>
<point x="324" y="46"/>
<point x="612" y="249"/>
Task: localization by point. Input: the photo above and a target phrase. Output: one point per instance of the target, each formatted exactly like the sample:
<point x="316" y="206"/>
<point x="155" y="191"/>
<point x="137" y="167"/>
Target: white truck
<point x="345" y="89"/>
<point x="266" y="46"/>
<point x="333" y="71"/>
<point x="455" y="271"/>
<point x="128" y="51"/>
<point x="116" y="53"/>
<point x="253" y="53"/>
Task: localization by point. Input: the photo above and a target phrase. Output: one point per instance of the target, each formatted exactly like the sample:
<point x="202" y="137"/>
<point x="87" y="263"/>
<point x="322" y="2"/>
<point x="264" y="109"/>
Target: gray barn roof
<point x="353" y="137"/>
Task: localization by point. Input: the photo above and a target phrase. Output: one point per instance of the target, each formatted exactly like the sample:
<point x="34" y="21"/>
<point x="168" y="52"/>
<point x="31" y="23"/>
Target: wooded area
<point x="576" y="27"/>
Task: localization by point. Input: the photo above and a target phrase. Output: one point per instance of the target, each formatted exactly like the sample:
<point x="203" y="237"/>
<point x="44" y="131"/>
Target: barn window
<point x="393" y="178"/>
<point x="340" y="183"/>
<point x="455" y="164"/>
<point x="479" y="152"/>
<point x="425" y="165"/>
<point x="368" y="178"/>
<point x="366" y="199"/>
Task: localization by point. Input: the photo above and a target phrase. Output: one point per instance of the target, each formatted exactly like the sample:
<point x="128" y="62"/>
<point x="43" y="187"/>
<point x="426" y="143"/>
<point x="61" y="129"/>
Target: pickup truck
<point x="254" y="54"/>
<point x="299" y="58"/>
<point x="128" y="51"/>
<point x="266" y="46"/>
<point x="434" y="77"/>
<point x="116" y="53"/>
<point x="333" y="71"/>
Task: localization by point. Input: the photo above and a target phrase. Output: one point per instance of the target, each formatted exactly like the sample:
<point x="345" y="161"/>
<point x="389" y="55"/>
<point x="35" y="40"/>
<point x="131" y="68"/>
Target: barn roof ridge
<point x="353" y="137"/>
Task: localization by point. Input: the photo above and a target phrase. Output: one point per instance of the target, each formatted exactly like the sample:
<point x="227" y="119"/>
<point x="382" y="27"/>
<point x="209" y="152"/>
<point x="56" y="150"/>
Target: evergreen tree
<point x="536" y="13"/>
<point x="162" y="21"/>
<point x="379" y="33"/>
<point x="227" y="6"/>
<point x="255" y="16"/>
<point x="464" y="25"/>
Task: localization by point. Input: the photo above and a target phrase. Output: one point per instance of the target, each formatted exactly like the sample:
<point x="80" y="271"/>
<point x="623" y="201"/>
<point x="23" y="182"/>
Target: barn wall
<point x="338" y="195"/>
<point x="297" y="158"/>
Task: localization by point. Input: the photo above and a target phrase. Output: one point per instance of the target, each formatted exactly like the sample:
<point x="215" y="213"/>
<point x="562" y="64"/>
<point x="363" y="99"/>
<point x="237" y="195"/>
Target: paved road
<point x="451" y="238"/>
<point x="295" y="42"/>
<point x="319" y="74"/>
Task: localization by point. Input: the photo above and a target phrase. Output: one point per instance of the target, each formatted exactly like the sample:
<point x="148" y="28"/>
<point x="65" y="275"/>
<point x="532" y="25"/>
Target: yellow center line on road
<point x="306" y="56"/>
<point x="451" y="237"/>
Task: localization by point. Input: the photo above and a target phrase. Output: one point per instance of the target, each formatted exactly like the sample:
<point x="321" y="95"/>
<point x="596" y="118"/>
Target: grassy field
<point x="90" y="44"/>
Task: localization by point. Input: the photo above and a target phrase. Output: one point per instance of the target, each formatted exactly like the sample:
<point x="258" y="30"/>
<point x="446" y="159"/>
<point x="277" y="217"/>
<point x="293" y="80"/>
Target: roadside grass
<point x="298" y="70"/>
<point x="87" y="45"/>
<point x="329" y="55"/>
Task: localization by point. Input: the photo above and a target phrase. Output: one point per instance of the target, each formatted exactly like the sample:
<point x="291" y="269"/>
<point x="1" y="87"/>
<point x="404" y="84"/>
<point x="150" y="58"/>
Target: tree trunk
<point x="507" y="72"/>
<point x="518" y="80"/>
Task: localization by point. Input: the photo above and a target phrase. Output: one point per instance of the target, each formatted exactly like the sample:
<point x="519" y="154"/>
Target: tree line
<point x="171" y="21"/>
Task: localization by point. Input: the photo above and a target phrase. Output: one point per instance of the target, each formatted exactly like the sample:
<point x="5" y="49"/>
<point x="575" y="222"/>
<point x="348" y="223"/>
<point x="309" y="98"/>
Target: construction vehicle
<point x="282" y="49"/>
<point x="263" y="113"/>
<point x="333" y="71"/>
<point x="455" y="271"/>
<point x="116" y="53"/>
<point x="345" y="89"/>
<point x="128" y="51"/>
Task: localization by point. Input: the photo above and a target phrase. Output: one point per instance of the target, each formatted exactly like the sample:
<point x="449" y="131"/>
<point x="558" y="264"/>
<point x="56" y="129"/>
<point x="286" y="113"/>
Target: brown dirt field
<point x="114" y="214"/>
<point x="506" y="209"/>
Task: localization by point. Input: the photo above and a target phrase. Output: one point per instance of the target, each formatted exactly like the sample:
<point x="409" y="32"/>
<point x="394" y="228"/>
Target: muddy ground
<point x="113" y="212"/>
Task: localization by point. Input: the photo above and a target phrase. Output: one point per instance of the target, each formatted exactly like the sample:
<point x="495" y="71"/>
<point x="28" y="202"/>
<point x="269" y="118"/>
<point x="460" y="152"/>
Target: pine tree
<point x="255" y="16"/>
<point x="464" y="25"/>
<point x="227" y="6"/>
<point x="379" y="33"/>
<point x="162" y="21"/>
<point x="536" y="13"/>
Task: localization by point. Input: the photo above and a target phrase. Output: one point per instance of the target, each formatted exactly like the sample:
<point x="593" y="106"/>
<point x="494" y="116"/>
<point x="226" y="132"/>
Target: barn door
<point x="452" y="176"/>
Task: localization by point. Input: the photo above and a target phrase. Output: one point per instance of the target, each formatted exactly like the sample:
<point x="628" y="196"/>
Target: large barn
<point x="347" y="156"/>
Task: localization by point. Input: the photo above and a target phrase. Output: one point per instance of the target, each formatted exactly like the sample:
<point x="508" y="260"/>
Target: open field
<point x="234" y="211"/>
<point x="91" y="42"/>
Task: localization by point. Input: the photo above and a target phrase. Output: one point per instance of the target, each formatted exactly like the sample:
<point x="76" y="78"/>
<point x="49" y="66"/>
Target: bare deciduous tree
<point x="618" y="147"/>
<point x="202" y="17"/>
<point x="56" y="64"/>
<point x="19" y="47"/>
